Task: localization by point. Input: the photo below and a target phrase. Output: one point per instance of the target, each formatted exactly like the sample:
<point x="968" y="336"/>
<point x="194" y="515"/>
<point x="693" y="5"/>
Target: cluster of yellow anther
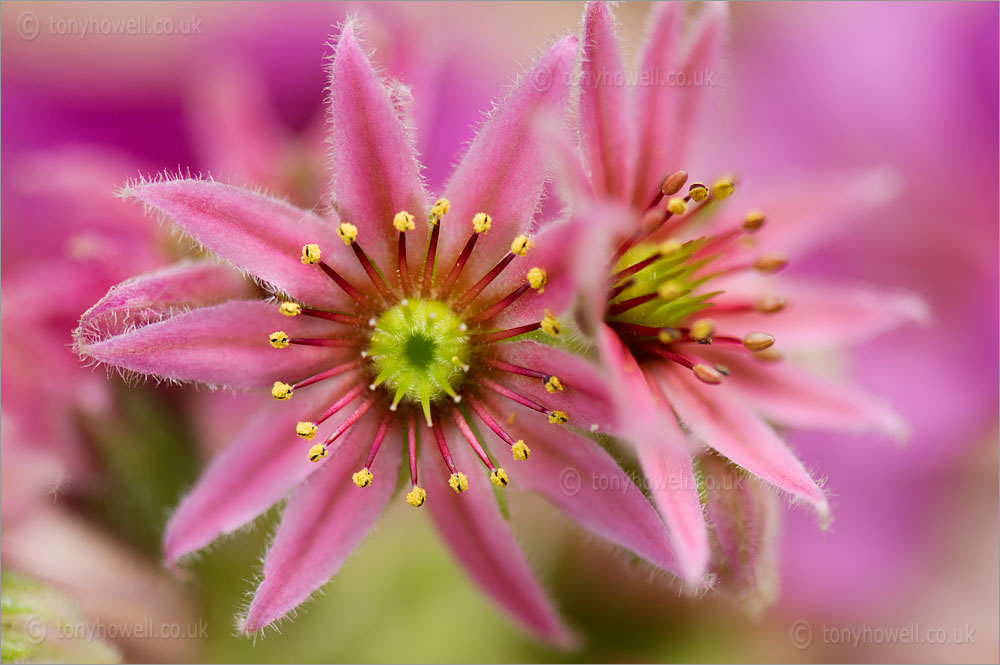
<point x="458" y="482"/>
<point x="707" y="373"/>
<point x="310" y="254"/>
<point x="698" y="192"/>
<point x="278" y="339"/>
<point x="521" y="245"/>
<point x="317" y="452"/>
<point x="677" y="206"/>
<point x="499" y="477"/>
<point x="520" y="450"/>
<point x="558" y="417"/>
<point x="281" y="391"/>
<point x="438" y="210"/>
<point x="289" y="308"/>
<point x="537" y="278"/>
<point x="754" y="220"/>
<point x="770" y="262"/>
<point x="347" y="232"/>
<point x="363" y="478"/>
<point x="550" y="324"/>
<point x="758" y="341"/>
<point x="416" y="496"/>
<point x="702" y="329"/>
<point x="306" y="429"/>
<point x="723" y="188"/>
<point x="403" y="221"/>
<point x="482" y="222"/>
<point x="553" y="384"/>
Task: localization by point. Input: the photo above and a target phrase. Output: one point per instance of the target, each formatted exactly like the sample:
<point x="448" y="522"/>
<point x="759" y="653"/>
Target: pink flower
<point x="394" y="339"/>
<point x="691" y="291"/>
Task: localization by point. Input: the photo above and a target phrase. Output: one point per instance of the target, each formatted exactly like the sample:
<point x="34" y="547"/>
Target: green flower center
<point x="420" y="349"/>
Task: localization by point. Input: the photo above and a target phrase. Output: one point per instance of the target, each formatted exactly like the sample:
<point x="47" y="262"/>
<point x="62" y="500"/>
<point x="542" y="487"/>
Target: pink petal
<point x="325" y="519"/>
<point x="259" y="467"/>
<point x="222" y="345"/>
<point x="718" y="416"/>
<point x="375" y="170"/>
<point x="504" y="169"/>
<point x="607" y="141"/>
<point x="646" y="421"/>
<point x="791" y="396"/>
<point x="818" y="315"/>
<point x="163" y="292"/>
<point x="585" y="397"/>
<point x="482" y="541"/>
<point x="667" y="114"/>
<point x="258" y="234"/>
<point x="585" y="482"/>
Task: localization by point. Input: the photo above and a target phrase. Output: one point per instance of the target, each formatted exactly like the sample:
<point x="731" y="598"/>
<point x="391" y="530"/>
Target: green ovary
<point x="419" y="350"/>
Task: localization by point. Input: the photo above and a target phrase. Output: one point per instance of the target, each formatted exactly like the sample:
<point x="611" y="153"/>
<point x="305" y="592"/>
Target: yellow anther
<point x="550" y="324"/>
<point x="458" y="482"/>
<point x="347" y="232"/>
<point x="677" y="206"/>
<point x="306" y="429"/>
<point x="520" y="451"/>
<point x="770" y="262"/>
<point x="310" y="254"/>
<point x="281" y="390"/>
<point x="499" y="477"/>
<point x="669" y="291"/>
<point x="403" y="221"/>
<point x="438" y="210"/>
<point x="771" y="355"/>
<point x="668" y="335"/>
<point x="553" y="384"/>
<point x="416" y="496"/>
<point x="673" y="183"/>
<point x="707" y="373"/>
<point x="698" y="192"/>
<point x="723" y="188"/>
<point x="521" y="245"/>
<point x="290" y="308"/>
<point x="769" y="304"/>
<point x="537" y="278"/>
<point x="758" y="341"/>
<point x="481" y="222"/>
<point x="754" y="220"/>
<point x="702" y="329"/>
<point x="363" y="478"/>
<point x="278" y="339"/>
<point x="668" y="247"/>
<point x="558" y="417"/>
<point x="317" y="452"/>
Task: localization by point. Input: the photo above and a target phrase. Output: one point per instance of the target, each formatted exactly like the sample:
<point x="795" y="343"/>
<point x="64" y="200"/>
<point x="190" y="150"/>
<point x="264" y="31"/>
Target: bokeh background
<point x="92" y="467"/>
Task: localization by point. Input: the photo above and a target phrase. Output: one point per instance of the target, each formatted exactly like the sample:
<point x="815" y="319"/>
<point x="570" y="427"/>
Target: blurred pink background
<point x="810" y="87"/>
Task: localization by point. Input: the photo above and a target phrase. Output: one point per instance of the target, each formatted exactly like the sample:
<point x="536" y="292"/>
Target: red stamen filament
<point x="471" y="438"/>
<point x="456" y="269"/>
<point x="430" y="259"/>
<point x="338" y="342"/>
<point x="443" y="446"/>
<point x="631" y="303"/>
<point x="383" y="428"/>
<point x="485" y="416"/>
<point x="336" y="317"/>
<point x="351" y="419"/>
<point x="669" y="355"/>
<point x="404" y="270"/>
<point x="500" y="305"/>
<point x="489" y="338"/>
<point x="345" y="285"/>
<point x="477" y="288"/>
<point x="513" y="369"/>
<point x="411" y="445"/>
<point x="511" y="395"/>
<point x="372" y="273"/>
<point x="326" y="374"/>
<point x="345" y="399"/>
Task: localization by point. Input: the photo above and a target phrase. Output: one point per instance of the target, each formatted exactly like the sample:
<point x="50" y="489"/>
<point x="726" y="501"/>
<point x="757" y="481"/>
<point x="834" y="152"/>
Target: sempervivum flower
<point x="393" y="345"/>
<point x="690" y="311"/>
